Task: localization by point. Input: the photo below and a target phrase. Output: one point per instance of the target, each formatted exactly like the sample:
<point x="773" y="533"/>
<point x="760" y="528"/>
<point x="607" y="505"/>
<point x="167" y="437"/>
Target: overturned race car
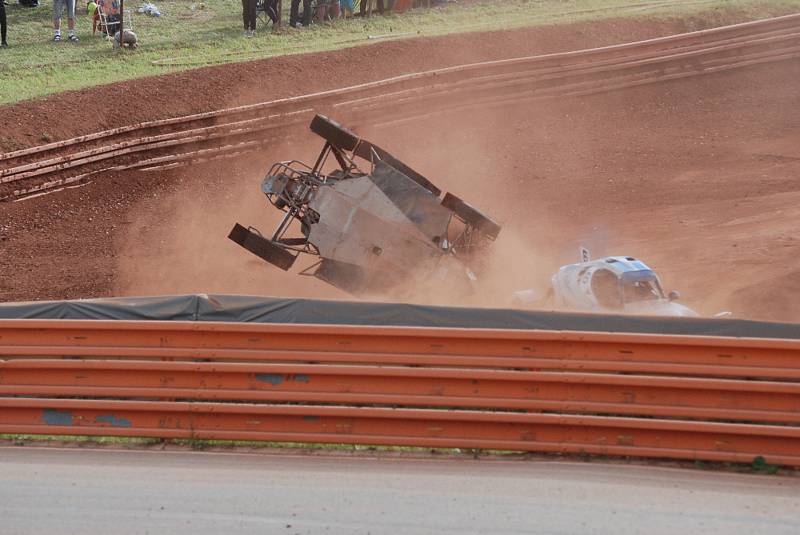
<point x="377" y="226"/>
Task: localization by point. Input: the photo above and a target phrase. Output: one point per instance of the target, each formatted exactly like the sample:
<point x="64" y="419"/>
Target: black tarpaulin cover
<point x="239" y="308"/>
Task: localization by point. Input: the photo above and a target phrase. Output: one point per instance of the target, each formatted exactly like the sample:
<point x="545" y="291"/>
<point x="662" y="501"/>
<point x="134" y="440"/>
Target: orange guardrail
<point x="688" y="397"/>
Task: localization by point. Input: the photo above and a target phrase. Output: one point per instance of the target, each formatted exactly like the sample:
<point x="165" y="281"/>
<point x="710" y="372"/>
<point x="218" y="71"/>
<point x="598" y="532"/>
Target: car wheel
<point x="334" y="133"/>
<point x="262" y="247"/>
<point x="471" y="216"/>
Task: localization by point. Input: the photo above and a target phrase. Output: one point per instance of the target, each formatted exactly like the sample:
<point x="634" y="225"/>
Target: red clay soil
<point x="699" y="177"/>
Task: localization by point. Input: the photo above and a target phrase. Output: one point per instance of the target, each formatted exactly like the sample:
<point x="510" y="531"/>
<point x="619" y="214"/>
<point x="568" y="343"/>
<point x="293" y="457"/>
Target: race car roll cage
<point x="291" y="185"/>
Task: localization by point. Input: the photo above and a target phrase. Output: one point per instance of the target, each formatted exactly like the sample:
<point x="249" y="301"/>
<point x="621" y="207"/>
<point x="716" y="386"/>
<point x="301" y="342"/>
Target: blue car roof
<point x="625" y="266"/>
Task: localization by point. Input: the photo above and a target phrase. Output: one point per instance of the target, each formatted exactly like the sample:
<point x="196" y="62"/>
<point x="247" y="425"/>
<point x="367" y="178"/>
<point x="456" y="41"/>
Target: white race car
<point x="614" y="284"/>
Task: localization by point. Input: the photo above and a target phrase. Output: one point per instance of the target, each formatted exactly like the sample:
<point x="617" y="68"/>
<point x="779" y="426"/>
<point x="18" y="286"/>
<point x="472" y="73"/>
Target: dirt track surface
<point x="89" y="491"/>
<point x="698" y="177"/>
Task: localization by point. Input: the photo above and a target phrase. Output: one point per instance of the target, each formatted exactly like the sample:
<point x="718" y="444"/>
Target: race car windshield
<point x="640" y="286"/>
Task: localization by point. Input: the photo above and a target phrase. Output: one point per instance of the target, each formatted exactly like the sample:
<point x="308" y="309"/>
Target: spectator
<point x="3" y="25"/>
<point x="110" y="9"/>
<point x="333" y="10"/>
<point x="294" y="17"/>
<point x="91" y="10"/>
<point x="363" y="8"/>
<point x="346" y="7"/>
<point x="323" y="10"/>
<point x="249" y="17"/>
<point x="271" y="8"/>
<point x="58" y="7"/>
<point x="129" y="40"/>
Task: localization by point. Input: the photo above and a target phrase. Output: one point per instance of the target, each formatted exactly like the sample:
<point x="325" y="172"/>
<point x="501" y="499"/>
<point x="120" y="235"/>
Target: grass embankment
<point x="192" y="34"/>
<point x="758" y="465"/>
<point x="239" y="445"/>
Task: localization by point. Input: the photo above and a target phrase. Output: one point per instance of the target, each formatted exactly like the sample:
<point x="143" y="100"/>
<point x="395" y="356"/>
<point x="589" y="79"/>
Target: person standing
<point x="249" y="17"/>
<point x="58" y="7"/>
<point x="271" y="8"/>
<point x="3" y="25"/>
<point x="294" y="15"/>
<point x="346" y="8"/>
<point x="363" y="9"/>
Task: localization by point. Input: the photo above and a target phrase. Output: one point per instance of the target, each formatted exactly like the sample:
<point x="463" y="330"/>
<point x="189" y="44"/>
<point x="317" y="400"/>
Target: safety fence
<point x="682" y="397"/>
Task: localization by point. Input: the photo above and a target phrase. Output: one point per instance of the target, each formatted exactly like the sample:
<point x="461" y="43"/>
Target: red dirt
<point x="698" y="177"/>
<point x="221" y="86"/>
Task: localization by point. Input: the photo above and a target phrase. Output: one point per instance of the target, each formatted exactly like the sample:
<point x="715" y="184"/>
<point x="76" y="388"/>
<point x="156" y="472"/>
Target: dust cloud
<point x="179" y="243"/>
<point x="667" y="177"/>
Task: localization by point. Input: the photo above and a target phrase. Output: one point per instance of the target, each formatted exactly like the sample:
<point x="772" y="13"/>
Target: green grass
<point x="192" y="34"/>
<point x="203" y="444"/>
<point x="759" y="465"/>
<point x="80" y="439"/>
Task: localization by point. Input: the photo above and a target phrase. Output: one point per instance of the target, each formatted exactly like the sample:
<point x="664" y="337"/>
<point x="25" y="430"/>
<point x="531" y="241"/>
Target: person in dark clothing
<point x="3" y="25"/>
<point x="363" y="9"/>
<point x="294" y="16"/>
<point x="271" y="8"/>
<point x="249" y="17"/>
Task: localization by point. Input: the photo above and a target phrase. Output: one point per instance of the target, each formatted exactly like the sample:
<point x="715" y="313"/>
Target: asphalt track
<point x="46" y="490"/>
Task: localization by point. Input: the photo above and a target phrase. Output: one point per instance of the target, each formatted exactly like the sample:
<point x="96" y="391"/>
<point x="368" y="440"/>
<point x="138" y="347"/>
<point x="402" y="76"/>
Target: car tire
<point x="262" y="247"/>
<point x="471" y="216"/>
<point x="334" y="133"/>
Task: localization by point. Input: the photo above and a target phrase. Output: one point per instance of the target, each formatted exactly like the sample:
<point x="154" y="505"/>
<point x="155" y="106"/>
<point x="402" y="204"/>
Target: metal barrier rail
<point x="405" y="346"/>
<point x="719" y="399"/>
<point x="404" y="427"/>
<point x="636" y="394"/>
